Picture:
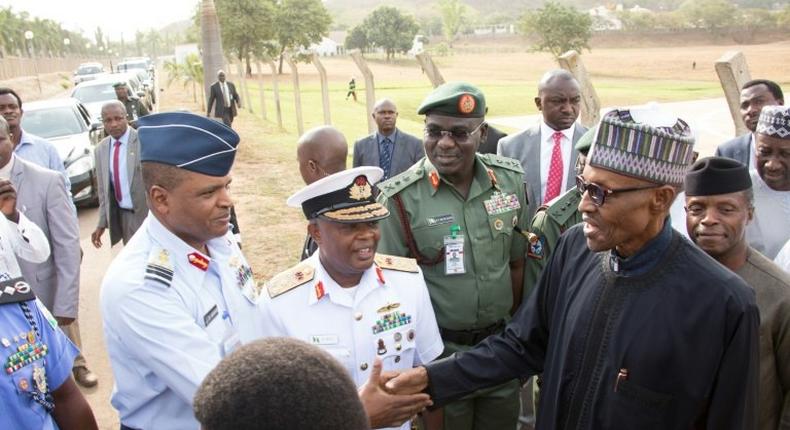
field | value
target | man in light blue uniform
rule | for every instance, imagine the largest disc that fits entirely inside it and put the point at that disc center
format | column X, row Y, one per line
column 180, row 295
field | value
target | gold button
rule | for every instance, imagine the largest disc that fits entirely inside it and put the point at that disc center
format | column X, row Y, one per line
column 358, row 316
column 363, row 366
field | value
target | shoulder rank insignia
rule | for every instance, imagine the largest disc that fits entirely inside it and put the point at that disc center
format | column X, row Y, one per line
column 290, row 279
column 401, row 264
column 159, row 268
column 15, row 290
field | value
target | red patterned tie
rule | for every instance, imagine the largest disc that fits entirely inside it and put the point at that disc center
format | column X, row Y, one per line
column 116, row 176
column 554, row 183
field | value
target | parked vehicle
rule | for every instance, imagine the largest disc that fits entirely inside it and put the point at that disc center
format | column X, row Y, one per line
column 94, row 94
column 67, row 124
column 87, row 72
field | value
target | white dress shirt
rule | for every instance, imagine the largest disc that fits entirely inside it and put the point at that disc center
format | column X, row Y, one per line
column 225, row 93
column 546, row 148
column 123, row 171
column 342, row 322
column 770, row 228
column 783, row 258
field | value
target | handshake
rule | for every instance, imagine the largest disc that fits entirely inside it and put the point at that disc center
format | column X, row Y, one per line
column 394, row 397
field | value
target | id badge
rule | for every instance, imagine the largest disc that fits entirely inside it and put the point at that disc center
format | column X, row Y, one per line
column 230, row 341
column 454, row 255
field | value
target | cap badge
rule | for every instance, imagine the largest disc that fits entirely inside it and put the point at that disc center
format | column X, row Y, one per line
column 466, row 104
column 360, row 189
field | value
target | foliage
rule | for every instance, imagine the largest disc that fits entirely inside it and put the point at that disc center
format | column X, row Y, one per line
column 453, row 12
column 748, row 21
column 298, row 24
column 559, row 28
column 711, row 15
column 247, row 28
column 48, row 36
column 387, row 28
column 430, row 25
column 357, row 38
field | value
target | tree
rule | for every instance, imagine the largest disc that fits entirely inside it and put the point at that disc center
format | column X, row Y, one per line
column 453, row 12
column 430, row 25
column 247, row 27
column 748, row 22
column 357, row 38
column 388, row 28
column 711, row 15
column 192, row 73
column 298, row 24
column 559, row 28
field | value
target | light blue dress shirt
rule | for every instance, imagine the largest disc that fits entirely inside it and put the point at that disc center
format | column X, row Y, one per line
column 126, row 195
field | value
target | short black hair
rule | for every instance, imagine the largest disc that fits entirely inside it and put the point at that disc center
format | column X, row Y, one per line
column 773, row 87
column 279, row 384
column 164, row 175
column 6, row 90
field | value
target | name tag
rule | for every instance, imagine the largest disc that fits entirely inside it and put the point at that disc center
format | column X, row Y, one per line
column 440, row 219
column 210, row 316
column 324, row 339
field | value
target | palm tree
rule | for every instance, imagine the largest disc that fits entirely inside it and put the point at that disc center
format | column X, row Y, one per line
column 193, row 73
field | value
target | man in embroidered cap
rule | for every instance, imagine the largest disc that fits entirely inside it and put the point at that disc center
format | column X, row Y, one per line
column 770, row 229
column 633, row 326
column 373, row 310
column 180, row 295
column 459, row 213
column 719, row 204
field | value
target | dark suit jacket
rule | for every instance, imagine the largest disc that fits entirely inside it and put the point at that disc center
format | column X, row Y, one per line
column 737, row 149
column 215, row 98
column 109, row 211
column 489, row 146
column 408, row 150
column 42, row 197
column 525, row 147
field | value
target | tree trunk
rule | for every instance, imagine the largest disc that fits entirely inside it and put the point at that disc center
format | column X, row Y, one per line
column 194, row 92
column 280, row 70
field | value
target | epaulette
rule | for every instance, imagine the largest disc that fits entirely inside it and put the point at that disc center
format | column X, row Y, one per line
column 160, row 267
column 15, row 290
column 564, row 206
column 500, row 161
column 397, row 183
column 392, row 262
column 290, row 279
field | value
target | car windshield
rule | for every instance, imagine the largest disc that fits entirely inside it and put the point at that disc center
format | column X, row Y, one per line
column 52, row 122
column 88, row 70
column 131, row 66
column 94, row 93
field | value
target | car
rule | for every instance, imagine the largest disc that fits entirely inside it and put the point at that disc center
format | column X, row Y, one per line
column 67, row 124
column 136, row 80
column 87, row 72
column 94, row 94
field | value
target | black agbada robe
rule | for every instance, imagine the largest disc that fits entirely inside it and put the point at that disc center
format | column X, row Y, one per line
column 666, row 339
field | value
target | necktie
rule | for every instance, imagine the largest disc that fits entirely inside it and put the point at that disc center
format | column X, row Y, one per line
column 116, row 175
column 554, row 183
column 385, row 160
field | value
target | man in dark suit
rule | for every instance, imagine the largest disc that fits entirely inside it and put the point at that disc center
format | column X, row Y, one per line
column 389, row 148
column 492, row 139
column 546, row 150
column 754, row 95
column 122, row 206
column 224, row 98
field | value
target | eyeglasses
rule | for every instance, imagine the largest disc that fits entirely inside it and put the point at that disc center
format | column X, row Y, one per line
column 458, row 135
column 598, row 194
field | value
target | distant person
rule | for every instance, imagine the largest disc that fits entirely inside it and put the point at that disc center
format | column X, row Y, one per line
column 389, row 148
column 224, row 98
column 28, row 146
column 693, row 65
column 122, row 206
column 719, row 206
column 320, row 152
column 352, row 89
column 754, row 95
column 770, row 229
column 546, row 150
column 134, row 107
column 492, row 139
column 279, row 384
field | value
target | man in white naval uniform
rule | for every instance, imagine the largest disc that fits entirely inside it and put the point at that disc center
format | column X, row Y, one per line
column 180, row 295
column 361, row 307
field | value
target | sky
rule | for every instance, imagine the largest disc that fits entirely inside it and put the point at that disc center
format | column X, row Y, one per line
column 113, row 16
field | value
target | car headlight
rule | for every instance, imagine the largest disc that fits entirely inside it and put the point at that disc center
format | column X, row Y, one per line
column 80, row 166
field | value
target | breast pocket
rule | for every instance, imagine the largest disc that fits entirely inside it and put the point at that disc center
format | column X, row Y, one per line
column 343, row 356
column 396, row 347
column 501, row 227
column 430, row 239
column 26, row 387
column 635, row 406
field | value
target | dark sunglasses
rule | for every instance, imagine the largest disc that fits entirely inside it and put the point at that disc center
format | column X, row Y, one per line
column 458, row 135
column 598, row 194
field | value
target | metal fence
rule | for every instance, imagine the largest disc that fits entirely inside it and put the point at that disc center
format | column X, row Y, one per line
column 15, row 67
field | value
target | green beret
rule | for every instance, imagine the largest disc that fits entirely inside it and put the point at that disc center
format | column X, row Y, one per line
column 119, row 84
column 584, row 142
column 458, row 99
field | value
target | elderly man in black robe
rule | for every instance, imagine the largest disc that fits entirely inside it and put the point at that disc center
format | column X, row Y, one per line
column 632, row 325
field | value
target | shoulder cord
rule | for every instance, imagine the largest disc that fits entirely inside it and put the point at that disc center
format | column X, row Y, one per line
column 409, row 236
column 42, row 398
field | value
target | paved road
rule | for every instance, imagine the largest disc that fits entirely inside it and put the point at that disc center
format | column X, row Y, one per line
column 710, row 120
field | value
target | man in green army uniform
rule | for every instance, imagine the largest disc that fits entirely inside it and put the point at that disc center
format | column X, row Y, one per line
column 134, row 108
column 459, row 214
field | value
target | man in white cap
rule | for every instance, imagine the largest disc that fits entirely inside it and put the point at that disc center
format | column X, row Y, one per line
column 369, row 311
